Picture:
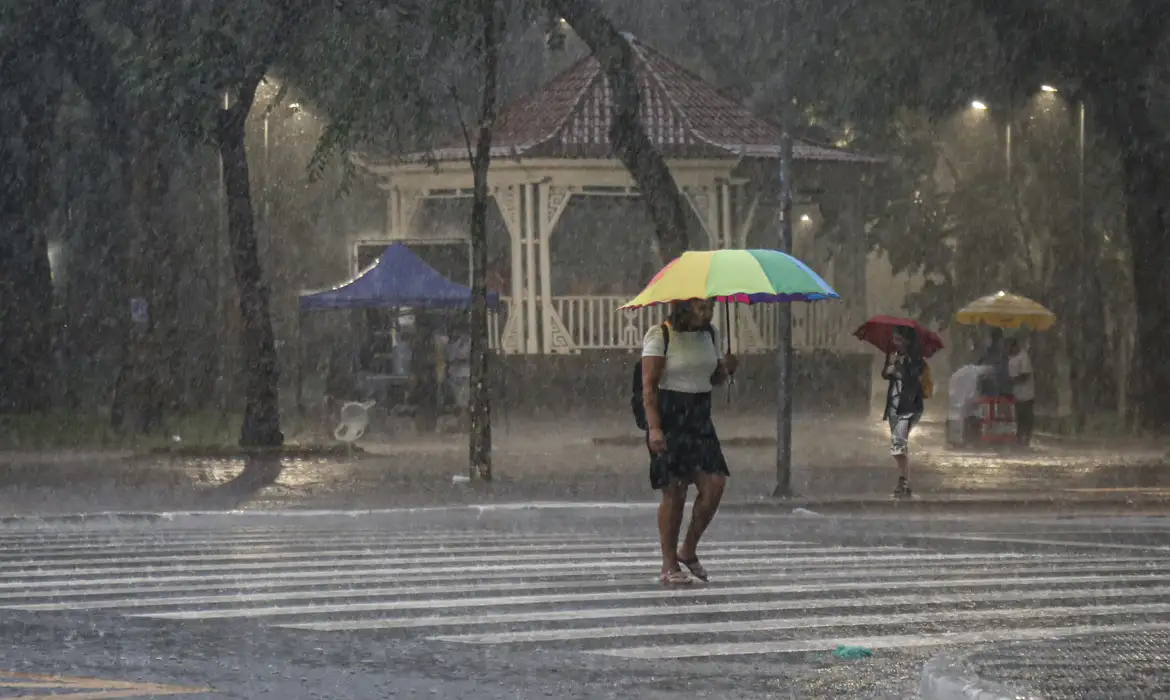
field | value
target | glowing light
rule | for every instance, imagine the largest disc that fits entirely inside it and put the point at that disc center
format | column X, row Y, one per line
column 976, row 104
column 805, row 217
column 1048, row 88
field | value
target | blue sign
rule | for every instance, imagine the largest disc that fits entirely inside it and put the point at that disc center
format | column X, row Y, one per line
column 139, row 311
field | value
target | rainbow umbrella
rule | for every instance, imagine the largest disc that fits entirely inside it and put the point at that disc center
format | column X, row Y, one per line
column 755, row 276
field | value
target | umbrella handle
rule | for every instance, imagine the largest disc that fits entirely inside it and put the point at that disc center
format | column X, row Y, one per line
column 727, row 325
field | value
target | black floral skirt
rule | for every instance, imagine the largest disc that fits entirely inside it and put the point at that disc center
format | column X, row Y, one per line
column 691, row 443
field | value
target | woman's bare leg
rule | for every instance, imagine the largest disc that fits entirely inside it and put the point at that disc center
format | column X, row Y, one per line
column 903, row 464
column 710, row 492
column 670, row 514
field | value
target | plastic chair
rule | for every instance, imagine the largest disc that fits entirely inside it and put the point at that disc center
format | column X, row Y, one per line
column 355, row 419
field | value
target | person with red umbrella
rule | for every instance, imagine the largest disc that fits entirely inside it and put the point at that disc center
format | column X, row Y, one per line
column 906, row 344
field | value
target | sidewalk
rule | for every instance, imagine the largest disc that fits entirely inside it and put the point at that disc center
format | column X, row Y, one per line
column 839, row 465
column 1126, row 666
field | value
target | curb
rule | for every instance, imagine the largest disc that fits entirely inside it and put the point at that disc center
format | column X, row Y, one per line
column 80, row 518
column 640, row 441
column 945, row 678
column 880, row 504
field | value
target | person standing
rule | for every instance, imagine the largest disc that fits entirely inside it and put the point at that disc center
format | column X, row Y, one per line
column 904, row 400
column 459, row 369
column 1024, row 388
column 681, row 363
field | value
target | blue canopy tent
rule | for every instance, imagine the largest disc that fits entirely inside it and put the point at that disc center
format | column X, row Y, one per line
column 398, row 279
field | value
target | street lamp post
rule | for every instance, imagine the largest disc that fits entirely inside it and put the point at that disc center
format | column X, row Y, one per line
column 784, row 326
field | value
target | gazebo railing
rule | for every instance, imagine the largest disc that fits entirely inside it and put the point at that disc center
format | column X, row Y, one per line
column 594, row 322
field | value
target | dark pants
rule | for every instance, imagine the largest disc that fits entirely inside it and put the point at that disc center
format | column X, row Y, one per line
column 1025, row 421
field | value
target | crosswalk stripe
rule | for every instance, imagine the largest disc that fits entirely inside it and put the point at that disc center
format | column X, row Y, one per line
column 592, row 592
column 813, row 622
column 266, row 551
column 142, row 597
column 435, row 556
column 577, row 577
column 164, row 540
column 388, row 565
column 690, row 651
column 701, row 592
column 1047, row 542
column 581, row 614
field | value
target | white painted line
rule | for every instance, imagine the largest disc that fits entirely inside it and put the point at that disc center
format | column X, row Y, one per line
column 466, row 568
column 13, row 557
column 691, row 651
column 435, row 555
column 562, row 568
column 584, row 577
column 162, row 539
column 1062, row 543
column 144, row 598
column 886, row 619
column 689, row 592
column 707, row 609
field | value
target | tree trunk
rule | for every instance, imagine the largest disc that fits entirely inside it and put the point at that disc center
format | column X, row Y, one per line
column 628, row 134
column 1126, row 116
column 1147, row 185
column 480, row 429
column 144, row 384
column 261, row 424
column 26, row 288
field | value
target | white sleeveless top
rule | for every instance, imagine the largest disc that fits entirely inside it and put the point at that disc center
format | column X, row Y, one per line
column 691, row 359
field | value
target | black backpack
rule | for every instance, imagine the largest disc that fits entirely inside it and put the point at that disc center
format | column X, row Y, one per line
column 636, row 400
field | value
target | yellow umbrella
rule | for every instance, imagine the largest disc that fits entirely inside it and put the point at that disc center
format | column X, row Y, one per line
column 1004, row 310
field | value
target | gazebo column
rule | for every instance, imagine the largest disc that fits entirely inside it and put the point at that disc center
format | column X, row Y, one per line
column 749, row 338
column 553, row 202
column 508, row 199
column 402, row 205
column 528, row 240
column 531, row 211
column 715, row 207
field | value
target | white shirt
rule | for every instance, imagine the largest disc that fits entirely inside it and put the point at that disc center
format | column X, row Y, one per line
column 964, row 389
column 1022, row 364
column 691, row 359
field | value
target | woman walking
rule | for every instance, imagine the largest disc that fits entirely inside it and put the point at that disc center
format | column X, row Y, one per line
column 904, row 400
column 681, row 363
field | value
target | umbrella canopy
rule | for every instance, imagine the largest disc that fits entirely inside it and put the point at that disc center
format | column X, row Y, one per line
column 879, row 332
column 739, row 276
column 1004, row 310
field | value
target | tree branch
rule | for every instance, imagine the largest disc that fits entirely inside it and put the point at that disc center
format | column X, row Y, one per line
column 628, row 134
column 463, row 122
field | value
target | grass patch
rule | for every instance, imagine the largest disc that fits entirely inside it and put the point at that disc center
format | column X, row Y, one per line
column 205, row 434
column 92, row 430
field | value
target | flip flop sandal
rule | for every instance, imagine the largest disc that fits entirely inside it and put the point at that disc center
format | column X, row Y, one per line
column 695, row 568
column 675, row 578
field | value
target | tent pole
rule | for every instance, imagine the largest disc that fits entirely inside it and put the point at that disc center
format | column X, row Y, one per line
column 300, row 369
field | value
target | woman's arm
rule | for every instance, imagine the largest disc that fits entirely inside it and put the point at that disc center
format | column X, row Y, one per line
column 653, row 365
column 721, row 374
column 727, row 362
column 890, row 368
column 651, row 374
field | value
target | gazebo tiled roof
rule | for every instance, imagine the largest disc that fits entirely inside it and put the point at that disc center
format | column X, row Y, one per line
column 686, row 118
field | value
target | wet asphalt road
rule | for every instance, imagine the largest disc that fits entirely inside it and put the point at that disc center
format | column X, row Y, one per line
column 554, row 602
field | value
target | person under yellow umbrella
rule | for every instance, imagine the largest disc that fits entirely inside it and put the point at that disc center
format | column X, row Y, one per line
column 1003, row 311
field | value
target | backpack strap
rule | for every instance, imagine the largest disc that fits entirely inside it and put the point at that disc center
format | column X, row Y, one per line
column 665, row 339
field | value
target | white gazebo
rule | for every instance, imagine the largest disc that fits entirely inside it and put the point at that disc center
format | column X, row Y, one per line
column 553, row 145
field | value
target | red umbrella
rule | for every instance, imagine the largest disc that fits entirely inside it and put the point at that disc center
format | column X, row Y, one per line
column 879, row 331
